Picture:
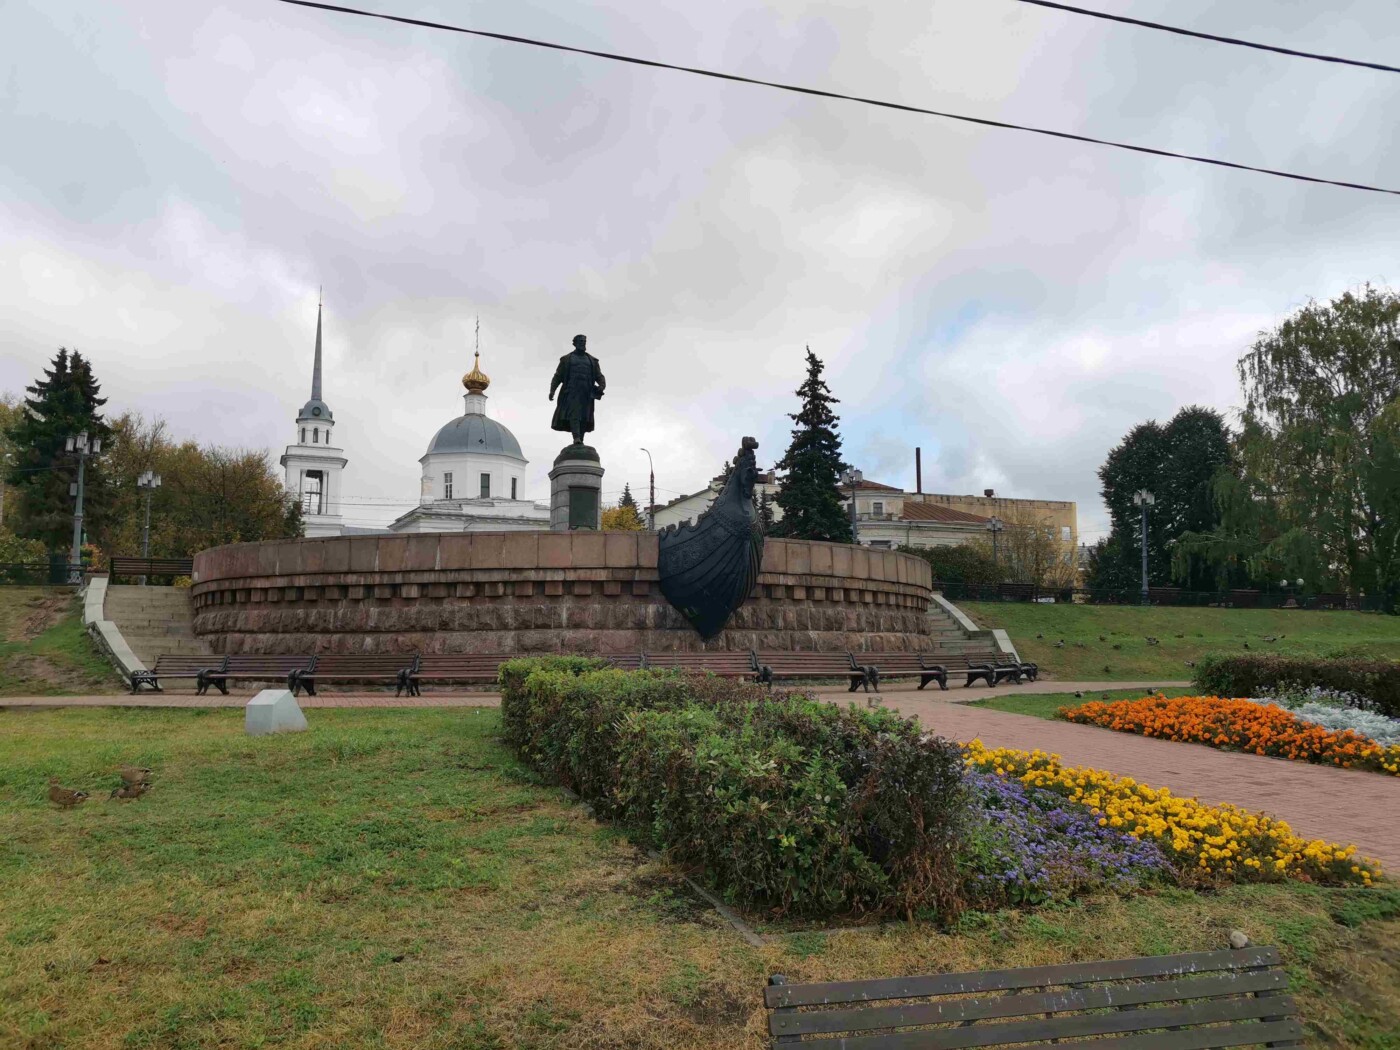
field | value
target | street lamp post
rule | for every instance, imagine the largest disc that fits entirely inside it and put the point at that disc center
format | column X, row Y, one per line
column 148, row 482
column 79, row 445
column 651, row 499
column 1144, row 499
column 994, row 526
column 853, row 478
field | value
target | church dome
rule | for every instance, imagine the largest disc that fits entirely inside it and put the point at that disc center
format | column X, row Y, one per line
column 475, row 432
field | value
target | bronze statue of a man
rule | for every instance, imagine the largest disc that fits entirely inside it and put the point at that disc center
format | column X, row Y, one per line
column 582, row 382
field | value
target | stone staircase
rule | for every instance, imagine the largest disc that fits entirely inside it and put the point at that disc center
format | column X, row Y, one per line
column 950, row 636
column 154, row 621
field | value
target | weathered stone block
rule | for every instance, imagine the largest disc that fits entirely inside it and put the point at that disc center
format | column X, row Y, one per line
column 520, row 550
column 273, row 711
column 555, row 551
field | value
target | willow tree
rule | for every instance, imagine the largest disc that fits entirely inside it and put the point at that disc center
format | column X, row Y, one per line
column 1316, row 494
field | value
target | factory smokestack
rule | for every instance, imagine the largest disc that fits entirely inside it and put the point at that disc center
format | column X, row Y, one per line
column 919, row 470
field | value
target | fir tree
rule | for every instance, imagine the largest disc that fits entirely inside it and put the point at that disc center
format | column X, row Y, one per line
column 810, row 499
column 64, row 402
column 765, row 513
column 627, row 500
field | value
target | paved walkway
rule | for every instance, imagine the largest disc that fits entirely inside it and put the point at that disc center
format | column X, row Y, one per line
column 1339, row 805
column 240, row 699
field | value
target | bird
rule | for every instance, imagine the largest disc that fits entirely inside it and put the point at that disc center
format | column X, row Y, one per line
column 135, row 775
column 1107, row 669
column 1190, row 663
column 1039, row 635
column 1103, row 637
column 1270, row 638
column 1060, row 644
column 1153, row 641
column 129, row 791
column 1239, row 939
column 1181, row 636
column 66, row 798
column 1117, row 645
column 1246, row 645
column 1080, row 645
column 1078, row 695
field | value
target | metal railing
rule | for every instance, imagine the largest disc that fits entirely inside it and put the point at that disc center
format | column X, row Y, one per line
column 1236, row 599
column 40, row 574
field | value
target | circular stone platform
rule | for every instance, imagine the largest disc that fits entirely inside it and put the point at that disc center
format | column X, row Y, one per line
column 502, row 592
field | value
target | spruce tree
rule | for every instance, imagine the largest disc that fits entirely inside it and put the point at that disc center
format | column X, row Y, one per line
column 627, row 500
column 765, row 513
column 65, row 401
column 810, row 499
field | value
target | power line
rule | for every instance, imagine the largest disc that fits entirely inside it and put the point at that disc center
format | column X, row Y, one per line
column 820, row 93
column 1179, row 31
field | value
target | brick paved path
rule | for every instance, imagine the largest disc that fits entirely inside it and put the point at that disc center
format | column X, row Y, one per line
column 239, row 700
column 1340, row 805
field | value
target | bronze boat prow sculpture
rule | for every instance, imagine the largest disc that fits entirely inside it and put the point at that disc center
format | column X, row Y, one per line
column 708, row 569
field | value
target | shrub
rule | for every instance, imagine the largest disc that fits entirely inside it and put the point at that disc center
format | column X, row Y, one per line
column 1263, row 674
column 784, row 801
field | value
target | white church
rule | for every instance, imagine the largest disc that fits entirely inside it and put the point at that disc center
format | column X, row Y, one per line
column 473, row 473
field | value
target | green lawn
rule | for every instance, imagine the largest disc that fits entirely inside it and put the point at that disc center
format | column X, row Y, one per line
column 395, row 879
column 44, row 650
column 1184, row 635
column 1044, row 705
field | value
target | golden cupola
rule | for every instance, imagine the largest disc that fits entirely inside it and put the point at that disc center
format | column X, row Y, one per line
column 476, row 381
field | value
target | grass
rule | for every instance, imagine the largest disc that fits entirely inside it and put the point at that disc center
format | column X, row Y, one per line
column 1045, row 705
column 1184, row 635
column 395, row 879
column 44, row 650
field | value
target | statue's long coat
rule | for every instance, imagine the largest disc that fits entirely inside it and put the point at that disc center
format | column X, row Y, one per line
column 578, row 377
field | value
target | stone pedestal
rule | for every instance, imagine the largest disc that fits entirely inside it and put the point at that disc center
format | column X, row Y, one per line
column 576, row 490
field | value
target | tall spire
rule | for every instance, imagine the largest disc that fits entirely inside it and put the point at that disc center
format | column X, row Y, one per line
column 316, row 368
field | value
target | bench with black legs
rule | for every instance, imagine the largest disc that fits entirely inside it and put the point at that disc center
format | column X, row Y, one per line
column 465, row 668
column 778, row 666
column 175, row 666
column 989, row 667
column 1195, row 1001
column 260, row 667
column 734, row 664
column 372, row 668
column 900, row 665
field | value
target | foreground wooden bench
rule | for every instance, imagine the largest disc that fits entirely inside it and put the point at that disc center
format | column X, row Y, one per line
column 374, row 668
column 774, row 666
column 738, row 664
column 1196, row 1001
column 260, row 667
column 993, row 667
column 170, row 666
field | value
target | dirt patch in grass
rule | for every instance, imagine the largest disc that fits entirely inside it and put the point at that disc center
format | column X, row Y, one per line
column 41, row 612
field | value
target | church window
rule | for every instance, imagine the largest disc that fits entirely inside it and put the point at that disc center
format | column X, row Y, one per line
column 315, row 435
column 447, row 485
column 486, row 486
column 303, row 435
column 312, row 501
column 513, row 483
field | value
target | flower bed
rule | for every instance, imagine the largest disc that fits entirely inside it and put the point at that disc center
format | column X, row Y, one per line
column 1238, row 725
column 1208, row 843
column 1377, row 682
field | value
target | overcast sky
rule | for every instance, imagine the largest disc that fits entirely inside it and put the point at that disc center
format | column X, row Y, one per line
column 176, row 179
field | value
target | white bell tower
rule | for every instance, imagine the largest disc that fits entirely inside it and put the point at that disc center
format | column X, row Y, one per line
column 312, row 462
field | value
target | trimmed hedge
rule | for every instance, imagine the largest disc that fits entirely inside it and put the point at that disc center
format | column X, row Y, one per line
column 783, row 801
column 1257, row 674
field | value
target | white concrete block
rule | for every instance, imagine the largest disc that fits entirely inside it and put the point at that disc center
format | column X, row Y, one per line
column 273, row 711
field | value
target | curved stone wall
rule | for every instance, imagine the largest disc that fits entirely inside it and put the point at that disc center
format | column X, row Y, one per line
column 539, row 592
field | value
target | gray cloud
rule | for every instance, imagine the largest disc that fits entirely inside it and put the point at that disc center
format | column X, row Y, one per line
column 177, row 181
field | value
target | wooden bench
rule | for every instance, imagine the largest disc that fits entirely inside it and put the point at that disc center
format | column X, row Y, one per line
column 376, row 668
column 260, row 667
column 993, row 667
column 149, row 567
column 773, row 666
column 900, row 665
column 169, row 666
column 737, row 664
column 1197, row 1001
column 472, row 668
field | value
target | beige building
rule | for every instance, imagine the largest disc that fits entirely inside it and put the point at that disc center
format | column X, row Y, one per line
column 889, row 517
